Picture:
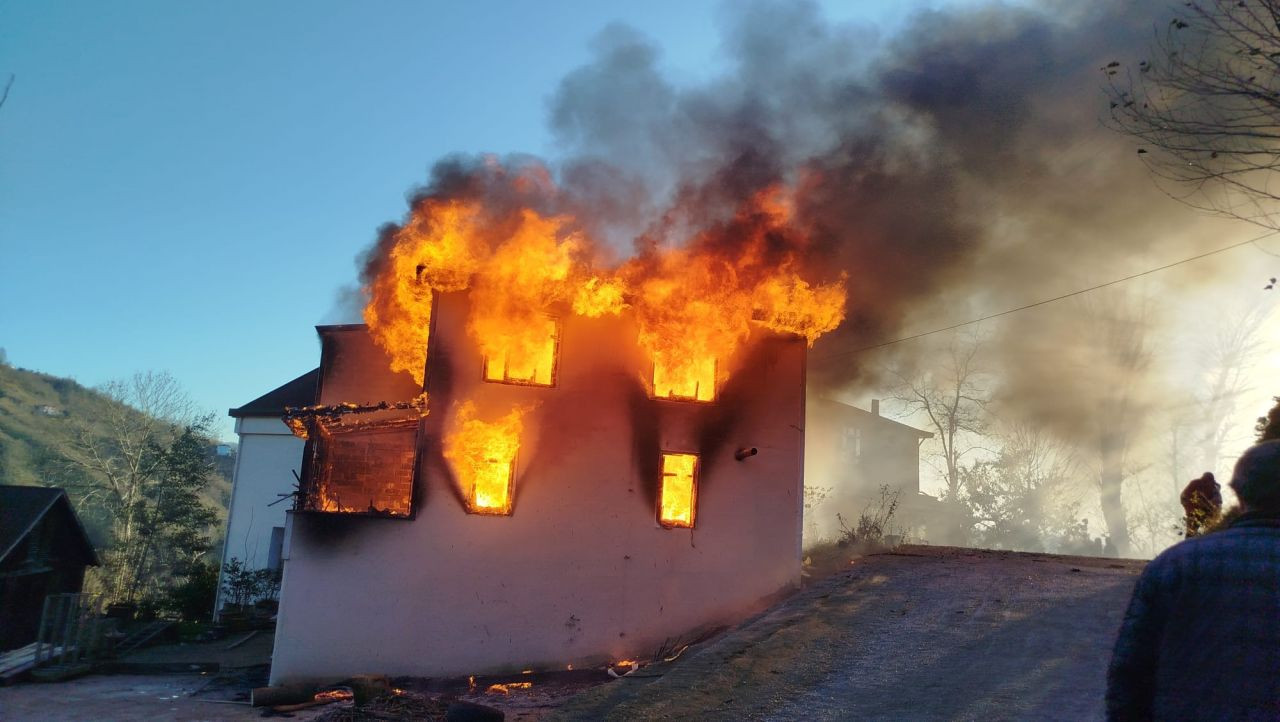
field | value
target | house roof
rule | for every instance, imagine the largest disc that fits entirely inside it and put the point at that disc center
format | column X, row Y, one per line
column 298, row 392
column 22, row 508
column 877, row 418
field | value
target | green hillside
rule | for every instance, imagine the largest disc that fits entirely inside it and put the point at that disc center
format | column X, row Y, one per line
column 40, row 413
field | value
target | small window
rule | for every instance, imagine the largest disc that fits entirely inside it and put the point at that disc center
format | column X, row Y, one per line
column 690, row 380
column 679, row 492
column 362, row 470
column 275, row 553
column 483, row 456
column 527, row 362
column 491, row 486
column 851, row 442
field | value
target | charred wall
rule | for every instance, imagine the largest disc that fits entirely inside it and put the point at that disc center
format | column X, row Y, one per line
column 580, row 570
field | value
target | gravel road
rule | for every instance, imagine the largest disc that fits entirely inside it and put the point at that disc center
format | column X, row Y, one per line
column 921, row 633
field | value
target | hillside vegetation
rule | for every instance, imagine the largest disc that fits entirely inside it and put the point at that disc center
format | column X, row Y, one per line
column 41, row 414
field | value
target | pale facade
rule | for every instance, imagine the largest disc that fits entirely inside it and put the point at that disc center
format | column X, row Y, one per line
column 580, row 570
column 268, row 458
column 852, row 453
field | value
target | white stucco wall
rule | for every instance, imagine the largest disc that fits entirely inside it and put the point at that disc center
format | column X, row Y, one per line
column 268, row 456
column 581, row 572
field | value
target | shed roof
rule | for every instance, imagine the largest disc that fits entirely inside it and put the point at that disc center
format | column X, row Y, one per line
column 298, row 392
column 22, row 508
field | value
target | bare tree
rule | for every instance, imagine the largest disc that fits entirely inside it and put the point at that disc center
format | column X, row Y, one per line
column 951, row 397
column 139, row 473
column 1226, row 362
column 1155, row 521
column 1027, row 496
column 1081, row 370
column 1205, row 106
column 1121, row 356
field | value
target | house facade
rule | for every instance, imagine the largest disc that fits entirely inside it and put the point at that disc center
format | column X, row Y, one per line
column 268, row 460
column 852, row 453
column 610, row 522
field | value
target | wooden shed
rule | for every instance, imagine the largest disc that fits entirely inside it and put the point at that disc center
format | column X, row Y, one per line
column 43, row 550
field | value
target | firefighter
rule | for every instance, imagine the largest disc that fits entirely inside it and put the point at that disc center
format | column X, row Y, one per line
column 1202, row 502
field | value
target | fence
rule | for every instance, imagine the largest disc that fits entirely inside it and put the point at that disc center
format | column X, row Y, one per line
column 72, row 628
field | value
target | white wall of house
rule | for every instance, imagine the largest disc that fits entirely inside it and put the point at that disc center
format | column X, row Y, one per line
column 580, row 572
column 268, row 457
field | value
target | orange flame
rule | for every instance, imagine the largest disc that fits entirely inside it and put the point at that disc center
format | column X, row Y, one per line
column 692, row 315
column 521, row 277
column 694, row 303
column 439, row 249
column 695, row 306
column 483, row 456
column 677, row 499
column 334, row 695
column 507, row 687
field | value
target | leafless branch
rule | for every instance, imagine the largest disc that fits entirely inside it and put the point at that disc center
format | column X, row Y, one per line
column 1206, row 107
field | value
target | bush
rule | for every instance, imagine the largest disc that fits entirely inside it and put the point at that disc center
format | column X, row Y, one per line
column 873, row 526
column 192, row 600
column 243, row 586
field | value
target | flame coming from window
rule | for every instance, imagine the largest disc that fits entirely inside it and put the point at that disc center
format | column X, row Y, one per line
column 695, row 305
column 679, row 489
column 483, row 457
column 695, row 294
column 438, row 249
column 525, row 273
column 532, row 364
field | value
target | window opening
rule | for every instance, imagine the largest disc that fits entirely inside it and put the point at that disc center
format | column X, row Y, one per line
column 678, row 494
column 688, row 380
column 851, row 442
column 491, row 486
column 530, row 360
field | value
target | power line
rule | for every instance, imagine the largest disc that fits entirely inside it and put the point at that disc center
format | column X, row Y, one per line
column 970, row 322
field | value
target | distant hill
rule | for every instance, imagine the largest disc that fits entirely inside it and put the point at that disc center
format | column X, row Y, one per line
column 35, row 414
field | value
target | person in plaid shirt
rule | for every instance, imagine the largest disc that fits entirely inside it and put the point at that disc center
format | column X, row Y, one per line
column 1201, row 637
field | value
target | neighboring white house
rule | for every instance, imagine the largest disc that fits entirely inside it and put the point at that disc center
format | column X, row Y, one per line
column 268, row 459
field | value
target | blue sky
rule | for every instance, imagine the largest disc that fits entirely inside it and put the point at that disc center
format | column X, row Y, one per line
column 185, row 186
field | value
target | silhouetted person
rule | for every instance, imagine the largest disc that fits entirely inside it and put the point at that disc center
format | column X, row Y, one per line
column 1202, row 502
column 1201, row 637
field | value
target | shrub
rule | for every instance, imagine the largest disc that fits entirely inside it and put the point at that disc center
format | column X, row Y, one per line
column 873, row 526
column 192, row 600
column 243, row 586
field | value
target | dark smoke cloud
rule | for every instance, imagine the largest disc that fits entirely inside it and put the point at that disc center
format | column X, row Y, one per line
column 957, row 167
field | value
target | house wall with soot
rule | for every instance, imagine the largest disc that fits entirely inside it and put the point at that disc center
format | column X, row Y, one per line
column 580, row 572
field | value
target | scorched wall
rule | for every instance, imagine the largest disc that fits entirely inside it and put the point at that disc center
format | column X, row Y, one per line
column 580, row 572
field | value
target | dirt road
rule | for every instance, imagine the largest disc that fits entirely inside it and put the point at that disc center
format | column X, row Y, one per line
column 922, row 633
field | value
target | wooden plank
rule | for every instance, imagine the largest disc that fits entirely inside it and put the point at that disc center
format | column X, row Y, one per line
column 17, row 657
column 40, row 631
column 242, row 640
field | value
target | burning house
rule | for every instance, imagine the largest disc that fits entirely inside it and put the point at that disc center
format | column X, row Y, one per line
column 522, row 524
column 523, row 460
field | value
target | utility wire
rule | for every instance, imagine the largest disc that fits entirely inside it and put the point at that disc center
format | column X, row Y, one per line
column 970, row 322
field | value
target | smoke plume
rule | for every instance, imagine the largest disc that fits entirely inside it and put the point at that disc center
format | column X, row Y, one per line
column 955, row 168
